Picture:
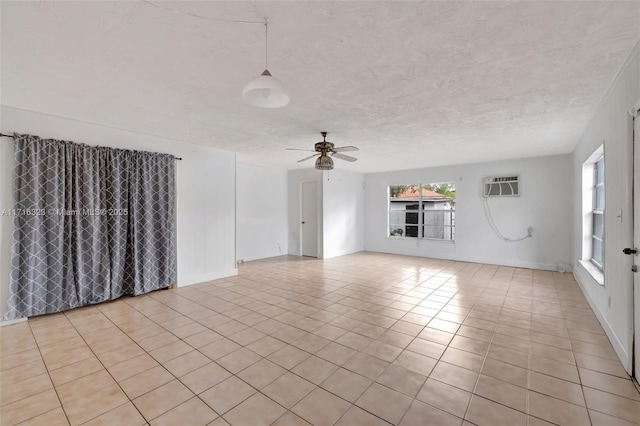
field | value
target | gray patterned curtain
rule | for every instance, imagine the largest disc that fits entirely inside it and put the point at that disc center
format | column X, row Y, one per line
column 90, row 224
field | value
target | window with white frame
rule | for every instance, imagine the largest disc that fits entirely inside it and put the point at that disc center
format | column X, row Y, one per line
column 597, row 227
column 425, row 210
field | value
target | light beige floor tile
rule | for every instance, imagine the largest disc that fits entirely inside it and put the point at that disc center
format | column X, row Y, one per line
column 463, row 359
column 288, row 389
column 402, row 380
column 506, row 372
column 601, row 365
column 384, row 403
column 22, row 372
column 437, row 336
column 366, row 365
column 468, row 344
column 556, row 411
column 485, row 412
column 238, row 360
column 455, row 376
column 146, row 381
column 557, row 388
column 51, row 418
column 126, row 414
column 290, row 419
column 162, row 399
column 131, row 367
column 185, row 364
column 205, row 377
column 171, row 351
column 427, row 348
column 12, row 392
column 421, row 364
column 266, row 346
column 346, row 384
column 445, row 397
column 315, row 369
column 357, row 416
column 227, row 394
column 202, row 339
column 607, row 383
column 30, row 407
column 320, row 408
column 502, row 392
column 192, row 412
column 257, row 410
column 288, row 357
column 554, row 368
column 261, row 373
column 419, row 412
column 601, row 419
column 90, row 405
column 617, row 406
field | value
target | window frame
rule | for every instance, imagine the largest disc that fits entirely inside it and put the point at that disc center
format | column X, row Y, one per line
column 599, row 211
column 421, row 212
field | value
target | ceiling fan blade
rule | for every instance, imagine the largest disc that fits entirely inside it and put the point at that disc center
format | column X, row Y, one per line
column 345, row 149
column 307, row 158
column 344, row 157
column 298, row 149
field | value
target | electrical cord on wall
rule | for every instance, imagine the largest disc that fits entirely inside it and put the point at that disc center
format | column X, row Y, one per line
column 494, row 228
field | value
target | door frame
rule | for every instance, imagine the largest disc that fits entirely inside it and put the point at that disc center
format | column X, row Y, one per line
column 318, row 217
column 635, row 319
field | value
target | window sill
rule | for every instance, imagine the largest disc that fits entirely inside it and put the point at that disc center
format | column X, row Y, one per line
column 593, row 271
column 435, row 240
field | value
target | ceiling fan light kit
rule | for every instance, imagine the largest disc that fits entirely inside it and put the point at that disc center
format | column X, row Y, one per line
column 324, row 162
column 265, row 91
column 323, row 149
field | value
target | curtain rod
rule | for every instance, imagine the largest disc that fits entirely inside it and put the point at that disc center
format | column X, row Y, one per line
column 10, row 136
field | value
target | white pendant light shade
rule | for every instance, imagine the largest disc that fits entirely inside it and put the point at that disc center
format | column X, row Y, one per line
column 265, row 92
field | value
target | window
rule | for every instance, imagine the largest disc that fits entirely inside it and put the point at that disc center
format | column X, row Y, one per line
column 422, row 211
column 593, row 206
column 597, row 228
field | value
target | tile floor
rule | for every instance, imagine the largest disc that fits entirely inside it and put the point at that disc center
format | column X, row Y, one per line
column 364, row 339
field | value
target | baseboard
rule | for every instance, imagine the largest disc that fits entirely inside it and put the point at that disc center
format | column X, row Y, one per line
column 12, row 322
column 583, row 278
column 201, row 278
column 499, row 262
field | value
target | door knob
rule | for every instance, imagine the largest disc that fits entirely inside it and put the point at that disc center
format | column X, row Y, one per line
column 629, row 251
column 302, row 222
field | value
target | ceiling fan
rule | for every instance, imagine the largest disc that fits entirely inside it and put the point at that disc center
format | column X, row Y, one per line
column 323, row 149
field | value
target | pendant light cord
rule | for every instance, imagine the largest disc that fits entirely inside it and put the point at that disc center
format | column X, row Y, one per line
column 266, row 43
column 208, row 18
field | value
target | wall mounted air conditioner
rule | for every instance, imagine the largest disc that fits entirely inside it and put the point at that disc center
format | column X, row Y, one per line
column 501, row 186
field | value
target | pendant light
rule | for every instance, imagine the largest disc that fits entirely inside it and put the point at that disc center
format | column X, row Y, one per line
column 265, row 91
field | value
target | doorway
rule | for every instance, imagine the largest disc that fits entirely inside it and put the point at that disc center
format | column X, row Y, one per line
column 309, row 218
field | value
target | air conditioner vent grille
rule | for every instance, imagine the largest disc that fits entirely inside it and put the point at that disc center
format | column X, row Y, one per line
column 501, row 186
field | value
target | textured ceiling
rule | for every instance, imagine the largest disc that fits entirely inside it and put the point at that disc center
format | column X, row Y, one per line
column 411, row 84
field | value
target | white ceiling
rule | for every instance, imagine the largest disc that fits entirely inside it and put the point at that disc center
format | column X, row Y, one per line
column 411, row 84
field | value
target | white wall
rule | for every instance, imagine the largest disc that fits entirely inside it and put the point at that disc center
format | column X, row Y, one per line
column 295, row 178
column 545, row 204
column 343, row 213
column 205, row 192
column 262, row 212
column 611, row 125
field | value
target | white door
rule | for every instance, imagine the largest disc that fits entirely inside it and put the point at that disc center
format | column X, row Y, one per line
column 636, row 240
column 309, row 218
